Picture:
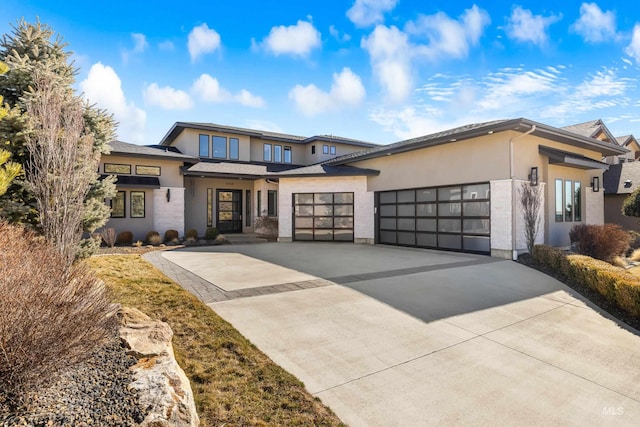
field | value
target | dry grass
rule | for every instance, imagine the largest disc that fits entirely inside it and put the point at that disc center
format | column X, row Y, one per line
column 234, row 383
column 635, row 255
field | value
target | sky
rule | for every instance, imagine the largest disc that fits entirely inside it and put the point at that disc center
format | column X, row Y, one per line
column 374, row 70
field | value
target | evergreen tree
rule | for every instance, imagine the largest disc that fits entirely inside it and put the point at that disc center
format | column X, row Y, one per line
column 8, row 170
column 27, row 48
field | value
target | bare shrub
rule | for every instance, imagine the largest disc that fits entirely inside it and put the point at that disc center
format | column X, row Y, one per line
column 268, row 226
column 153, row 236
column 192, row 233
column 531, row 202
column 603, row 242
column 635, row 255
column 51, row 317
column 109, row 236
column 124, row 238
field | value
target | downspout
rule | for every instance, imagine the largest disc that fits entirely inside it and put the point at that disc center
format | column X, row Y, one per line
column 514, row 250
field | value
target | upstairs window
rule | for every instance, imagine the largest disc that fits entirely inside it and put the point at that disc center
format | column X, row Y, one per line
column 204, row 145
column 267, row 152
column 234, row 148
column 287, row 154
column 313, row 149
column 325, row 149
column 219, row 147
column 333, row 150
column 277, row 153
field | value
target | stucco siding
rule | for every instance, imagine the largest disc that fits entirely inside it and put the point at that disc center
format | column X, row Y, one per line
column 169, row 169
column 364, row 223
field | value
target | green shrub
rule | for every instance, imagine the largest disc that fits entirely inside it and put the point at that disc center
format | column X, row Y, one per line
column 51, row 316
column 615, row 284
column 153, row 238
column 603, row 242
column 124, row 238
column 211, row 234
column 192, row 233
column 171, row 236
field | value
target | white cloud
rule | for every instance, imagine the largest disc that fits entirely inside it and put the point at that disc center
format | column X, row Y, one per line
column 167, row 97
column 335, row 33
column 633, row 49
column 524, row 26
column 346, row 91
column 202, row 40
column 208, row 89
column 104, row 88
column 263, row 125
column 167, row 45
column 411, row 122
column 511, row 86
column 139, row 45
column 449, row 37
column 594, row 25
column 390, row 55
column 364, row 13
column 296, row 40
column 603, row 83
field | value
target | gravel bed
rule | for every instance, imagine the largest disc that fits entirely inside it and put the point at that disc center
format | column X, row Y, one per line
column 93, row 393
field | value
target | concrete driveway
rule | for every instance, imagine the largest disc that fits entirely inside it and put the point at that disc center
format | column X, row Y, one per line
column 392, row 336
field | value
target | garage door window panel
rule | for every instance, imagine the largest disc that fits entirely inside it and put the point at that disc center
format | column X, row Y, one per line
column 324, row 216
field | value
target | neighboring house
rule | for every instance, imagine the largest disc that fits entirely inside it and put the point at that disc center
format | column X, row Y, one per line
column 619, row 182
column 455, row 190
column 630, row 143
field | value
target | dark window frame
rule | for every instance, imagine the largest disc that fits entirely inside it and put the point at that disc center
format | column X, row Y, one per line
column 219, row 139
column 313, row 215
column 287, row 155
column 149, row 174
column 277, row 153
column 325, row 149
column 236, row 142
column 332, row 150
column 200, row 145
column 113, row 171
column 268, row 151
column 131, row 203
column 272, row 203
column 124, row 204
column 210, row 207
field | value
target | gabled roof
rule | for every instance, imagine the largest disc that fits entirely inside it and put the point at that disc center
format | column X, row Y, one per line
column 625, row 140
column 178, row 127
column 481, row 129
column 119, row 147
column 327, row 170
column 591, row 129
column 622, row 178
column 255, row 171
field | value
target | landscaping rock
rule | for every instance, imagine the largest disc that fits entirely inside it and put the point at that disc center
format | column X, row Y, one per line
column 161, row 384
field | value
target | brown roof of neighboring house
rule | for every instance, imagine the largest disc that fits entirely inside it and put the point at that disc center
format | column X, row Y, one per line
column 591, row 129
column 622, row 178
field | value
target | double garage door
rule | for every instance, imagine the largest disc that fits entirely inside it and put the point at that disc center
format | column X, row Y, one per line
column 453, row 217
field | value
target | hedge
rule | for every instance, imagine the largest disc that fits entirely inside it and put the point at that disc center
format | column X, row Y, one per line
column 618, row 286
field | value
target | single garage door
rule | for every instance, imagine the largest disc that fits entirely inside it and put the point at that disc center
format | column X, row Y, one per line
column 323, row 216
column 453, row 217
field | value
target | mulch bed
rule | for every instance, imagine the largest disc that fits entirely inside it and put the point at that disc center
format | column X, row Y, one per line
column 594, row 296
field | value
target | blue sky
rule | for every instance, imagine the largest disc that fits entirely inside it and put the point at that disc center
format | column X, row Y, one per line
column 377, row 70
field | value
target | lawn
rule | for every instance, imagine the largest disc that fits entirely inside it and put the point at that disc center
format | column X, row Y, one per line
column 233, row 382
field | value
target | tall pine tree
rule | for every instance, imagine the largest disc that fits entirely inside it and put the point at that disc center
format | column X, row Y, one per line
column 28, row 47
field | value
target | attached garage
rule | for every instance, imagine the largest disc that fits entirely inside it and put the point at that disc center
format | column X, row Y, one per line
column 323, row 216
column 452, row 218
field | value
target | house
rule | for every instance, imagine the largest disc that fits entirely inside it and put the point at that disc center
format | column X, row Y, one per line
column 454, row 190
column 619, row 182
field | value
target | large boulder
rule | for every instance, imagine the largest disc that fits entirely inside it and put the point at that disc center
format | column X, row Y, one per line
column 163, row 388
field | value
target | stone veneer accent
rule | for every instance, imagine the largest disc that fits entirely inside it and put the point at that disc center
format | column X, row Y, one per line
column 168, row 215
column 364, row 219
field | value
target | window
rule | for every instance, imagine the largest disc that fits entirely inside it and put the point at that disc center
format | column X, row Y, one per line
column 117, row 169
column 577, row 201
column 277, row 153
column 272, row 203
column 259, row 204
column 287, row 154
column 209, row 207
column 568, row 201
column 267, row 152
column 137, row 204
column 204, row 145
column 333, row 150
column 559, row 206
column 234, row 148
column 118, row 205
column 219, row 147
column 148, row 170
column 248, row 208
column 313, row 149
column 325, row 149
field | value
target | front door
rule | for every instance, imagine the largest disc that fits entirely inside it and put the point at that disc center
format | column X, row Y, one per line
column 229, row 209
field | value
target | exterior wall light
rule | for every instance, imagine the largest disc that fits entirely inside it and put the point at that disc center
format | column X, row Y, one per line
column 168, row 195
column 595, row 184
column 533, row 176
